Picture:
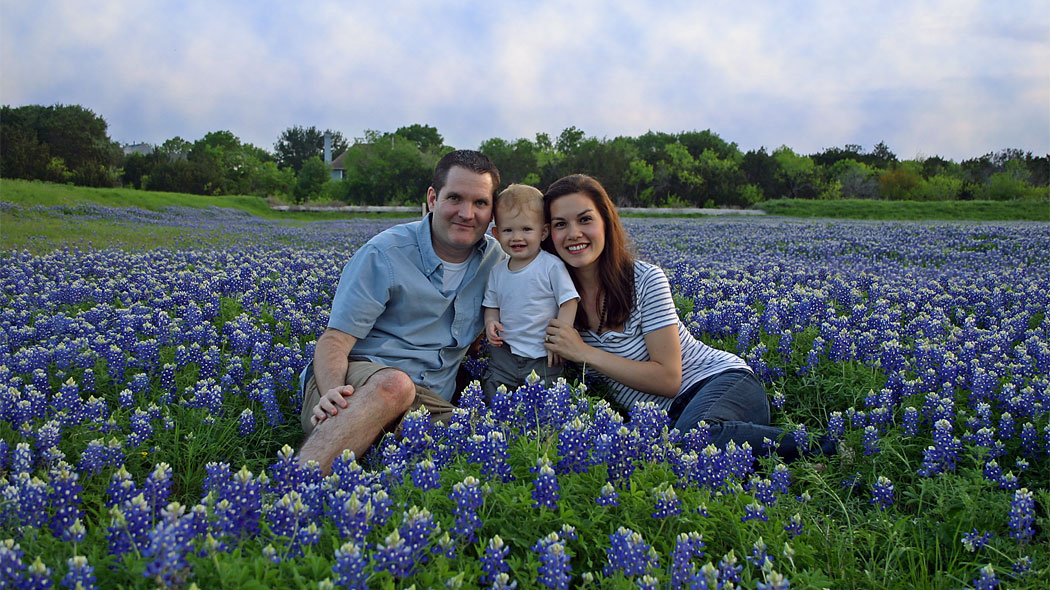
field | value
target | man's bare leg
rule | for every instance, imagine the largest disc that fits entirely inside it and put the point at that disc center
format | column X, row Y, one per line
column 382, row 400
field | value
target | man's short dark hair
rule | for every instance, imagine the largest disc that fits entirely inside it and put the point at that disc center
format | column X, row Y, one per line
column 474, row 161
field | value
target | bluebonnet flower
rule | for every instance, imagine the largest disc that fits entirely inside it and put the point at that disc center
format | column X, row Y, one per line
column 728, row 569
column 774, row 581
column 871, row 440
column 493, row 560
column 763, row 489
column 759, row 554
column 754, row 510
column 31, row 493
column 911, row 421
column 1029, row 439
column 688, row 546
column 239, row 505
column 651, row 422
column 794, row 525
column 836, row 425
column 168, row 545
column 157, row 486
column 801, row 436
column 22, row 458
column 554, row 570
column 141, row 428
column 129, row 526
column 121, row 487
column 545, row 493
column 941, row 455
column 287, row 515
column 608, row 496
column 1022, row 566
column 80, row 575
column 11, row 567
column 425, row 475
column 64, row 499
column 246, row 422
column 987, row 580
column 1022, row 515
column 405, row 548
column 781, row 478
column 285, row 473
column 37, row 576
column 882, row 494
column 975, row 540
column 353, row 513
column 573, row 446
column 467, row 496
column 350, row 566
column 667, row 502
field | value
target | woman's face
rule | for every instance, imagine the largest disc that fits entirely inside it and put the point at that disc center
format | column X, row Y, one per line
column 577, row 230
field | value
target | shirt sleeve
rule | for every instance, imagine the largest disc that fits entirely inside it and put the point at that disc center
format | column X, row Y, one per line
column 654, row 300
column 561, row 282
column 363, row 292
column 491, row 292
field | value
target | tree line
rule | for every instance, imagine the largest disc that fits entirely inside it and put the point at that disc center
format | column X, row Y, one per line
column 69, row 144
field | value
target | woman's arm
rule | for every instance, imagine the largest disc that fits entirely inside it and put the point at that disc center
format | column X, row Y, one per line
column 660, row 375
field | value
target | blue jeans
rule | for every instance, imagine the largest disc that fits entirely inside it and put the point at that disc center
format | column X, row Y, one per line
column 735, row 407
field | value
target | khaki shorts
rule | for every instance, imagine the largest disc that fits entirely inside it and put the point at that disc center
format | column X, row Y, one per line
column 357, row 374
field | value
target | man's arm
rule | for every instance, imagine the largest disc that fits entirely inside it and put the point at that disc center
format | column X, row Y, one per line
column 330, row 364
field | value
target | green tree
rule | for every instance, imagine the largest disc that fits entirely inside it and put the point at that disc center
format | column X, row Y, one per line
column 639, row 174
column 426, row 138
column 73, row 134
column 798, row 174
column 898, row 183
column 312, row 177
column 387, row 169
column 298, row 144
column 515, row 161
column 856, row 179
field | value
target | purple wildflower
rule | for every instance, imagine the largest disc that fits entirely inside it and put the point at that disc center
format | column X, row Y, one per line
column 545, row 493
column 882, row 494
column 1022, row 515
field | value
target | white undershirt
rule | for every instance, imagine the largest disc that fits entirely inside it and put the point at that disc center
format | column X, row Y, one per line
column 453, row 274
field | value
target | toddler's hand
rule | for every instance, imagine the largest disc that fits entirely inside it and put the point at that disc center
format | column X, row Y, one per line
column 493, row 332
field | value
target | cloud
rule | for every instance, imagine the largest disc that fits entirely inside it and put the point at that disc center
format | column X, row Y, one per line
column 954, row 78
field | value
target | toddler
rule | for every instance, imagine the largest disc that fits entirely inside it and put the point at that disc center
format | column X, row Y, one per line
column 524, row 292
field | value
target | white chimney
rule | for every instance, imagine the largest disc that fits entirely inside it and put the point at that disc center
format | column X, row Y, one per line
column 327, row 147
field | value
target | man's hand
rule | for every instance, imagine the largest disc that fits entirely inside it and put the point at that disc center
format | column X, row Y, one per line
column 494, row 331
column 330, row 403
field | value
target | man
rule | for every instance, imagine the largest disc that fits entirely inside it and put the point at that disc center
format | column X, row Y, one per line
column 407, row 307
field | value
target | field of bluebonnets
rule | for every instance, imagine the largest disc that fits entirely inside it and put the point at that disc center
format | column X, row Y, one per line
column 148, row 419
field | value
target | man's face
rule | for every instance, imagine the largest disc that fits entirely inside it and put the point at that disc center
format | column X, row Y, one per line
column 462, row 212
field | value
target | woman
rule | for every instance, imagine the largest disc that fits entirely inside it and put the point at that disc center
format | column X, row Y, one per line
column 627, row 328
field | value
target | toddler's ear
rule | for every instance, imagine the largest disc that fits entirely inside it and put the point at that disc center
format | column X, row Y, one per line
column 495, row 233
column 546, row 231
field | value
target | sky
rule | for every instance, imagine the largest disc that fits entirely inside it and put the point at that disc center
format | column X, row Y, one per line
column 952, row 78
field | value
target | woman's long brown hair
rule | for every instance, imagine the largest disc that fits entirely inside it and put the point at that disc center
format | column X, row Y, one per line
column 615, row 263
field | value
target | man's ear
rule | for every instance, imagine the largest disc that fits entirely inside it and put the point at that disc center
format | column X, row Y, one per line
column 431, row 198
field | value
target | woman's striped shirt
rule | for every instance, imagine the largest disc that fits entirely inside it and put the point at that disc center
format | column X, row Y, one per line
column 654, row 309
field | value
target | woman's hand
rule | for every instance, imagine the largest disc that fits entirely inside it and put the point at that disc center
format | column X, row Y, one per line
column 330, row 403
column 564, row 341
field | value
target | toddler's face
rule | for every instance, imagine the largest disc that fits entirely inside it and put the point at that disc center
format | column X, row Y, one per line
column 520, row 232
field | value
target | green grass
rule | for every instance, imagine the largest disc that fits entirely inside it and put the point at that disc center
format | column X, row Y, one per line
column 28, row 193
column 911, row 210
column 43, row 231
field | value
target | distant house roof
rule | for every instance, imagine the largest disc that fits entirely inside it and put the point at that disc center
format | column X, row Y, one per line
column 338, row 167
column 138, row 148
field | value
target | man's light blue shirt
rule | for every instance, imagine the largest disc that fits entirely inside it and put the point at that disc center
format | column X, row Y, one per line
column 390, row 298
